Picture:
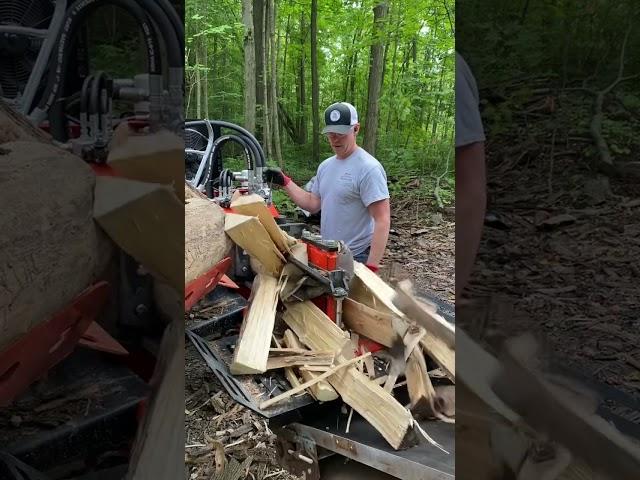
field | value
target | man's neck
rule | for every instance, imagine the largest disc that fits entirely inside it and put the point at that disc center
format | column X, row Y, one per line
column 349, row 153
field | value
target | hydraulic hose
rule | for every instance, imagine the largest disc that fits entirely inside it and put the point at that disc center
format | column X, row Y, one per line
column 176, row 21
column 73, row 18
column 260, row 160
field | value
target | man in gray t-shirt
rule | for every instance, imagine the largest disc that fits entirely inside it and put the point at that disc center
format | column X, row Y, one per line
column 470, row 173
column 350, row 188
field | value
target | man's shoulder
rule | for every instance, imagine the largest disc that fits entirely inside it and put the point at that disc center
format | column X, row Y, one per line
column 368, row 163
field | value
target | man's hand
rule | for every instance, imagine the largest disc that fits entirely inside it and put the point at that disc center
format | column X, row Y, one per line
column 373, row 268
column 275, row 175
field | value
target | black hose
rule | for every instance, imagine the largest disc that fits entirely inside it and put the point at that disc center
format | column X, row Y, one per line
column 84, row 94
column 260, row 157
column 175, row 52
column 74, row 16
column 96, row 87
column 176, row 21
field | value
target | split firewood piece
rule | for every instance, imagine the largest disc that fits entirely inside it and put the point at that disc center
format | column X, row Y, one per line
column 369, row 399
column 250, row 234
column 369, row 289
column 254, row 205
column 423, row 315
column 321, row 391
column 421, row 391
column 367, row 321
column 146, row 220
column 164, row 414
column 252, row 348
column 299, row 359
column 156, row 158
column 293, row 391
column 205, row 242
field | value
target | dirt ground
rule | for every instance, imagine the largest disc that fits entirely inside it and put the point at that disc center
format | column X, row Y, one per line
column 559, row 258
column 420, row 247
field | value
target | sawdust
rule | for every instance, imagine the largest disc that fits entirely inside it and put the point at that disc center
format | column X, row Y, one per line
column 211, row 416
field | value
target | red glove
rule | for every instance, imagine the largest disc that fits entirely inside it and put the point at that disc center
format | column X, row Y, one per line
column 373, row 268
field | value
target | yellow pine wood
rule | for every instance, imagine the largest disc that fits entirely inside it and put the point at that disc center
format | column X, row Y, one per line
column 322, row 391
column 252, row 348
column 254, row 205
column 369, row 399
column 250, row 234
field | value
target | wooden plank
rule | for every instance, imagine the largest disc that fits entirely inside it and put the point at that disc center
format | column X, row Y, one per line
column 309, row 358
column 254, row 205
column 313, row 381
column 367, row 398
column 321, row 391
column 252, row 348
column 205, row 242
column 146, row 220
column 423, row 315
column 250, row 234
column 421, row 391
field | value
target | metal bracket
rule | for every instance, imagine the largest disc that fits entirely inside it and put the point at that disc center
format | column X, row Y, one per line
column 202, row 285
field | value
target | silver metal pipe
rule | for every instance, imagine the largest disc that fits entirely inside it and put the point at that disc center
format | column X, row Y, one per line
column 50, row 39
column 26, row 31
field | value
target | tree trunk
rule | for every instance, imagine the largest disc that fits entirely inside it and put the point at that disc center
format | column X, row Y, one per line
column 375, row 79
column 258, row 26
column 249, row 68
column 315, row 87
column 275, row 127
column 205, row 83
column 302, row 93
column 198, row 85
column 266, row 131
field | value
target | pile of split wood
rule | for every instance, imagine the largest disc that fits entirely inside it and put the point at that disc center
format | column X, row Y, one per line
column 320, row 357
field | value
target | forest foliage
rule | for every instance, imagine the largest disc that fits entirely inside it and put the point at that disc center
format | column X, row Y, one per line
column 415, row 120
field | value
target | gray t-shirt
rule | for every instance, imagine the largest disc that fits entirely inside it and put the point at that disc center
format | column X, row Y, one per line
column 346, row 188
column 468, row 122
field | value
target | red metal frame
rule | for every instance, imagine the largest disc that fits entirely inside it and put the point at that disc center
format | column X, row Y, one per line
column 97, row 338
column 30, row 357
column 327, row 260
column 202, row 285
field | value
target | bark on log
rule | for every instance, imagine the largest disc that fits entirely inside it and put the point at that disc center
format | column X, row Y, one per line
column 205, row 242
column 50, row 248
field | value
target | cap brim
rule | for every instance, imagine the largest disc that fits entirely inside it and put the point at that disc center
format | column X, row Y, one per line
column 340, row 129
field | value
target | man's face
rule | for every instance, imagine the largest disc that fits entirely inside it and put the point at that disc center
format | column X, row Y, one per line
column 343, row 145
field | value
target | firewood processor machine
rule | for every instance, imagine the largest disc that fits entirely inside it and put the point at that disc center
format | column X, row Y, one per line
column 307, row 431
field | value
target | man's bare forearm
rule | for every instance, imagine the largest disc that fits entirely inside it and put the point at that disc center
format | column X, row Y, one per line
column 305, row 200
column 379, row 241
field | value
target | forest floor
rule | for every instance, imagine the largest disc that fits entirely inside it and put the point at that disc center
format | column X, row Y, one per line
column 421, row 247
column 559, row 255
